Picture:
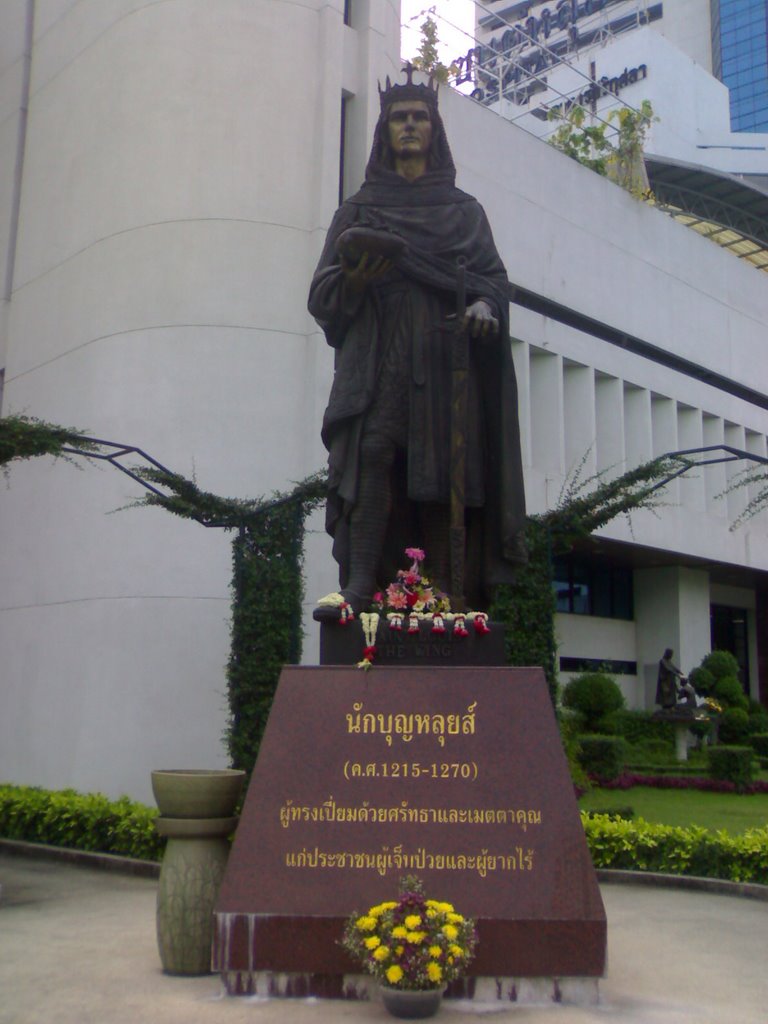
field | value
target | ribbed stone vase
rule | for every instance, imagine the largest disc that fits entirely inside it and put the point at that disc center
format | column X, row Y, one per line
column 196, row 814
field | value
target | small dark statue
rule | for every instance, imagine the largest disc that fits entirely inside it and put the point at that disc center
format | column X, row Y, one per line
column 410, row 267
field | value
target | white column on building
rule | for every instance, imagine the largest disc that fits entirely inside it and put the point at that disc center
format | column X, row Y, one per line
column 671, row 610
column 665, row 439
column 547, row 446
column 737, row 497
column 715, row 480
column 690, row 435
column 638, row 439
column 609, row 394
column 579, row 419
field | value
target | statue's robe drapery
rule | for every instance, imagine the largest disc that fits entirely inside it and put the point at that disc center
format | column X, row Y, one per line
column 407, row 308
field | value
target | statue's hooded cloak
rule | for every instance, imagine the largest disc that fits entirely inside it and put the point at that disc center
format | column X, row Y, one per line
column 439, row 223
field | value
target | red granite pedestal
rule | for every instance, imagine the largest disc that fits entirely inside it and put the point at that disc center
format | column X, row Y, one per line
column 454, row 774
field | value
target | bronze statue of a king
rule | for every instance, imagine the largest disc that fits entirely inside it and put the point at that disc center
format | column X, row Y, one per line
column 385, row 295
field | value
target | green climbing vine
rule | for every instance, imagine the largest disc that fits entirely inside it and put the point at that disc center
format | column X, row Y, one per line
column 23, row 437
column 527, row 607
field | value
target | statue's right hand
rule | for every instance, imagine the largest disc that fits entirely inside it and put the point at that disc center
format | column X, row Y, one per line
column 359, row 275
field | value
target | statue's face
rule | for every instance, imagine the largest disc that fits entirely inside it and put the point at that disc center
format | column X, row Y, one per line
column 410, row 128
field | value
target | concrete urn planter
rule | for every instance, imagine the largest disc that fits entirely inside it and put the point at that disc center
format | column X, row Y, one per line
column 197, row 816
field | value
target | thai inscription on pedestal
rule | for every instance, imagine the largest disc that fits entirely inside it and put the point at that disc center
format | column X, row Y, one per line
column 453, row 774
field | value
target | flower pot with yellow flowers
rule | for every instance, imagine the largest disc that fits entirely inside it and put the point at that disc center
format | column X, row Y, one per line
column 414, row 947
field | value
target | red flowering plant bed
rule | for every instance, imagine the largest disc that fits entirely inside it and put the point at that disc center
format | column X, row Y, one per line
column 629, row 779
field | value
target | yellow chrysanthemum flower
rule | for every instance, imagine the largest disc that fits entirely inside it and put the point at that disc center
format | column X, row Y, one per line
column 399, row 950
column 435, row 951
column 455, row 918
column 389, row 905
column 431, row 914
column 376, row 911
column 434, row 971
column 399, row 932
column 445, row 908
column 416, row 937
column 394, row 974
column 450, row 931
column 381, row 953
column 431, row 903
column 456, row 951
column 412, row 922
column 366, row 923
column 372, row 942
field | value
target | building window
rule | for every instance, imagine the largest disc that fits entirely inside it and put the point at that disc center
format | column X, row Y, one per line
column 740, row 60
column 586, row 587
column 611, row 667
column 729, row 633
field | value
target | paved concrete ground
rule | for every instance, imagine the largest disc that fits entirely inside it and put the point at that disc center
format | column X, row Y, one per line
column 77, row 946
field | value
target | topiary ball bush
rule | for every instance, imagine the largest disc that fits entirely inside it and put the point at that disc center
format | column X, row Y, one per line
column 702, row 680
column 734, row 726
column 594, row 695
column 720, row 664
column 730, row 693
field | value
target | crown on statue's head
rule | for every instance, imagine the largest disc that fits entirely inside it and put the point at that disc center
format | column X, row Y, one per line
column 409, row 91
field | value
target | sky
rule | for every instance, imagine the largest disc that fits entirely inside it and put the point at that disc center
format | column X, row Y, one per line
column 455, row 26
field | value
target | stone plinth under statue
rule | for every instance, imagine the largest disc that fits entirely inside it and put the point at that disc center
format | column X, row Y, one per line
column 456, row 775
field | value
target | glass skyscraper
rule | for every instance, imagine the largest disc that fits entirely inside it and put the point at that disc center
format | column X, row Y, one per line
column 740, row 59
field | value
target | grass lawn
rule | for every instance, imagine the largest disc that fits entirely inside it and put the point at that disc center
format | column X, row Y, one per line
column 684, row 807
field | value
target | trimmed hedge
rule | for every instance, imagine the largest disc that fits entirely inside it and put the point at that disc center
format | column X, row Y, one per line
column 759, row 743
column 92, row 822
column 640, row 846
column 731, row 764
column 601, row 757
column 640, row 727
column 80, row 821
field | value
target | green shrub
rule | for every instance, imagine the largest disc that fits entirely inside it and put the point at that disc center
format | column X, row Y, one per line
column 651, row 751
column 758, row 719
column 570, row 726
column 734, row 726
column 720, row 664
column 640, row 846
column 731, row 764
column 702, row 680
column 595, row 695
column 80, row 821
column 602, row 756
column 637, row 726
column 730, row 693
column 627, row 813
column 759, row 743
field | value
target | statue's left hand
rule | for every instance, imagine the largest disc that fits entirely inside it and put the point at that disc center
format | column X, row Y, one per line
column 479, row 320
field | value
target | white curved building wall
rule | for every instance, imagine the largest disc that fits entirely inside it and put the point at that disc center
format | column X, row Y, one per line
column 180, row 168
